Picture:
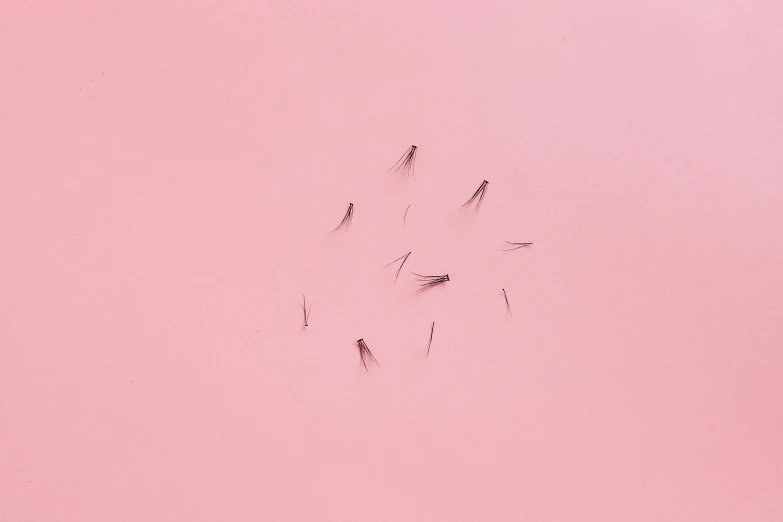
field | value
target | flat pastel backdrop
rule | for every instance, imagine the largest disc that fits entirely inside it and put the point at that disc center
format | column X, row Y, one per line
column 170, row 172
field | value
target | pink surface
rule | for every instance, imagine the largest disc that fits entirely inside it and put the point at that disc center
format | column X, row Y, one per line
column 169, row 176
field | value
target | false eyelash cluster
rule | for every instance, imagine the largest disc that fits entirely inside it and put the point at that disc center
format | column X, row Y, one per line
column 406, row 165
column 365, row 354
column 406, row 162
column 345, row 224
column 428, row 282
column 480, row 192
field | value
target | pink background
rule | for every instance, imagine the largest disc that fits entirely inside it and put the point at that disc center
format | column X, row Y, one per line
column 169, row 176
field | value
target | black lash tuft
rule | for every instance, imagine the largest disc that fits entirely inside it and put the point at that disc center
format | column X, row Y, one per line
column 428, row 282
column 480, row 192
column 347, row 219
column 406, row 162
column 365, row 354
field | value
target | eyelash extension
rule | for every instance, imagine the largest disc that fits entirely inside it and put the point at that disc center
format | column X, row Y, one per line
column 508, row 306
column 406, row 162
column 403, row 262
column 431, row 332
column 365, row 354
column 347, row 220
column 480, row 192
column 516, row 246
column 428, row 282
column 305, row 311
column 405, row 216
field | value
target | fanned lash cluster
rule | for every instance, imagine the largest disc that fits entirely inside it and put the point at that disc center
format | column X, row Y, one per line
column 345, row 224
column 406, row 165
column 428, row 282
column 365, row 354
column 480, row 193
column 406, row 162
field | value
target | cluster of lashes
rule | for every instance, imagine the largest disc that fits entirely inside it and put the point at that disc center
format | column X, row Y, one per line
column 406, row 165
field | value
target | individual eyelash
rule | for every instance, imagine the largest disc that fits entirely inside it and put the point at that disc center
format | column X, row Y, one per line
column 347, row 220
column 403, row 262
column 406, row 162
column 405, row 216
column 366, row 354
column 305, row 311
column 516, row 246
column 508, row 306
column 428, row 282
column 431, row 332
column 480, row 192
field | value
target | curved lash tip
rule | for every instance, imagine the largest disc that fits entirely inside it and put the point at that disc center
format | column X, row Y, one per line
column 432, row 331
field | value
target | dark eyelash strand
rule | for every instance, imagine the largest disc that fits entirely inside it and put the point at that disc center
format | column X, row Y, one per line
column 405, row 216
column 406, row 162
column 305, row 311
column 365, row 354
column 480, row 192
column 516, row 246
column 404, row 258
column 508, row 306
column 430, row 344
column 428, row 282
column 347, row 220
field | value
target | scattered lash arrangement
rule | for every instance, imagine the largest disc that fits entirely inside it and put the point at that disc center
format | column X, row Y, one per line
column 406, row 165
